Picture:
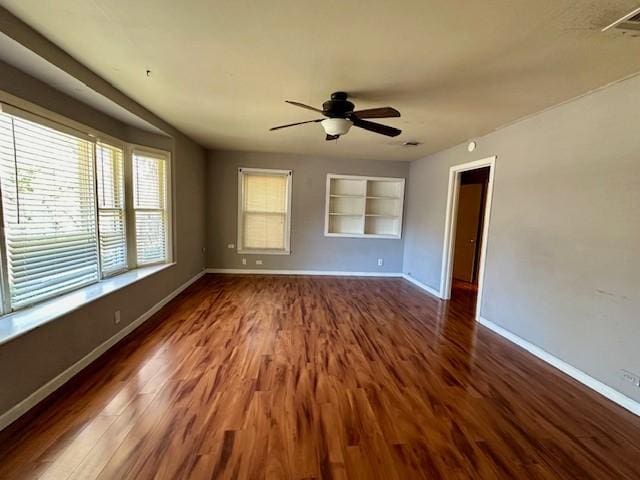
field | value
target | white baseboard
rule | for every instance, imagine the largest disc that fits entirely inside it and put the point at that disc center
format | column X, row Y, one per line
column 261, row 271
column 596, row 385
column 421, row 285
column 48, row 388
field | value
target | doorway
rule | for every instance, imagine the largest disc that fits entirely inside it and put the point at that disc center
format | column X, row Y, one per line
column 466, row 229
column 466, row 246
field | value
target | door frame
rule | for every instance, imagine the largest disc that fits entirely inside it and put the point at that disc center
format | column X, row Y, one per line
column 450, row 226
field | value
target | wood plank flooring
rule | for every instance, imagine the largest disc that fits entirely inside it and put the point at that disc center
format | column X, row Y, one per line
column 321, row 377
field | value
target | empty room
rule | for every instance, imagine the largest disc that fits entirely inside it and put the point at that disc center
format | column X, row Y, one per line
column 319, row 240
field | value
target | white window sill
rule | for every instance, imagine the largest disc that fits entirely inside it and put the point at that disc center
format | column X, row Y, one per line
column 264, row 252
column 18, row 323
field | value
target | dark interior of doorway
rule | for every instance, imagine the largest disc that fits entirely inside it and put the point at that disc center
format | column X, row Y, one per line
column 472, row 197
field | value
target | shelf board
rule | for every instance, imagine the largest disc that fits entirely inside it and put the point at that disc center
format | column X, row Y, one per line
column 362, row 235
column 360, row 205
column 382, row 235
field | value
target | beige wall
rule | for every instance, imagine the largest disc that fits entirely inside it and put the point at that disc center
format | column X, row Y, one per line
column 563, row 263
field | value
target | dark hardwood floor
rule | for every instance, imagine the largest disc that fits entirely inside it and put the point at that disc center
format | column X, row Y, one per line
column 321, row 377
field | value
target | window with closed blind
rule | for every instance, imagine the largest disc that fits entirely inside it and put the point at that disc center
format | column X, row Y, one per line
column 49, row 210
column 111, row 208
column 64, row 208
column 264, row 211
column 150, row 206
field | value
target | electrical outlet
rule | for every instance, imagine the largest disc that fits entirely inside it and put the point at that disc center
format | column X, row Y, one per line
column 231, row 245
column 380, row 262
column 116, row 317
column 244, row 261
column 631, row 377
column 258, row 262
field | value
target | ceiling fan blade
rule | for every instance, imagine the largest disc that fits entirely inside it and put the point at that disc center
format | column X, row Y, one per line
column 302, row 105
column 331, row 137
column 383, row 112
column 294, row 124
column 376, row 127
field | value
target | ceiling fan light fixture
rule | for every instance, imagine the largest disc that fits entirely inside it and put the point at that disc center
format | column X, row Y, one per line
column 336, row 126
column 341, row 115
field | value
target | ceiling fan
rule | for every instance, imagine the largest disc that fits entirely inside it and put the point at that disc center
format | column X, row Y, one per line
column 341, row 117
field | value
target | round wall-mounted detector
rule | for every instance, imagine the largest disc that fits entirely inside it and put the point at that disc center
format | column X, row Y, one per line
column 472, row 146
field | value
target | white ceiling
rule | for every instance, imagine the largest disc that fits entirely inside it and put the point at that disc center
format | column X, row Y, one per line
column 221, row 70
column 13, row 53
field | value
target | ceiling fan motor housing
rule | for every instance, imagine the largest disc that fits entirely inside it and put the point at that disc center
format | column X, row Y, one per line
column 338, row 106
column 341, row 117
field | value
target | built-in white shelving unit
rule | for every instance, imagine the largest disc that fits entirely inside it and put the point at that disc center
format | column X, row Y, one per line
column 369, row 207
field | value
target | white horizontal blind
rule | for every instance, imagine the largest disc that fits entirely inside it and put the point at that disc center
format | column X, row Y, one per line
column 111, row 213
column 264, row 210
column 48, row 199
column 150, row 206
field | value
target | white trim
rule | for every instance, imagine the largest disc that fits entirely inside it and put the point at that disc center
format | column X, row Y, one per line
column 51, row 386
column 596, row 385
column 21, row 322
column 335, row 273
column 166, row 209
column 287, row 217
column 485, row 235
column 423, row 286
column 365, row 197
column 450, row 227
column 263, row 252
column 363, row 177
column 122, row 209
column 363, row 235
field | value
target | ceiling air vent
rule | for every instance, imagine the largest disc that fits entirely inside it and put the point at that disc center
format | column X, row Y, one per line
column 630, row 23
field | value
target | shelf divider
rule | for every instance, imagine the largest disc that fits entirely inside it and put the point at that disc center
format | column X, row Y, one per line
column 366, row 207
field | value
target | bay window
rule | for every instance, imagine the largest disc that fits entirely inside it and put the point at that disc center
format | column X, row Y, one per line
column 63, row 208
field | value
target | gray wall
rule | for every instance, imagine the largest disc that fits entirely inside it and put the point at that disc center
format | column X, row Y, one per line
column 30, row 361
column 562, row 268
column 310, row 249
column 563, row 259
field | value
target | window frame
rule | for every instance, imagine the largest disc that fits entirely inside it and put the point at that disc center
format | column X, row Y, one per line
column 110, row 142
column 40, row 115
column 242, row 171
column 165, row 156
column 25, row 112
